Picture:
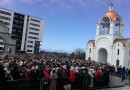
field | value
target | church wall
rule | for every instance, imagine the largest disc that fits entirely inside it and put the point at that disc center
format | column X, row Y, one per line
column 127, row 55
column 119, row 53
column 90, row 51
column 128, row 58
column 113, row 56
column 86, row 57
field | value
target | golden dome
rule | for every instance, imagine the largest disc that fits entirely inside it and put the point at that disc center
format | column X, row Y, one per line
column 112, row 15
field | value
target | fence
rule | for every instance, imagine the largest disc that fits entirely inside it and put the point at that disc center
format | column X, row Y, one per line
column 20, row 85
column 41, row 85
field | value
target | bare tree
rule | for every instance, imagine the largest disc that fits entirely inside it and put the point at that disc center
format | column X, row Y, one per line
column 78, row 54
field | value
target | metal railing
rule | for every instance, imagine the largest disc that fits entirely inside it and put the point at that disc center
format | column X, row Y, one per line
column 20, row 85
column 40, row 84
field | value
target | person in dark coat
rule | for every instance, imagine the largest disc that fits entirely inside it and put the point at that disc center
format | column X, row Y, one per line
column 106, row 77
column 123, row 73
column 86, row 79
column 15, row 73
column 2, row 74
column 34, row 73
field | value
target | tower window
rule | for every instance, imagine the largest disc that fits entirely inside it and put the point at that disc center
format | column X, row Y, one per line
column 118, row 52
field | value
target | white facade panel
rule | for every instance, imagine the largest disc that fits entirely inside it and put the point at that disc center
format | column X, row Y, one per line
column 9, row 15
column 24, row 33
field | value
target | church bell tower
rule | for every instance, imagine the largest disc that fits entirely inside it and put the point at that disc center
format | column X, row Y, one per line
column 110, row 24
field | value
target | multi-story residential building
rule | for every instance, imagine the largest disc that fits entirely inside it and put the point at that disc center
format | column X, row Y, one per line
column 26, row 29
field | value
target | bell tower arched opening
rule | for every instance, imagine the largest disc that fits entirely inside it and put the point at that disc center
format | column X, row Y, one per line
column 105, row 26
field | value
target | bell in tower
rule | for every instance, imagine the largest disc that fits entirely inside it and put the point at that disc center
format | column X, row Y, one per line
column 110, row 23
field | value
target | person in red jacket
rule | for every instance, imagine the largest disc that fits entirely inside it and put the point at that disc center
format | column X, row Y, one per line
column 26, row 75
column 72, row 77
column 97, row 77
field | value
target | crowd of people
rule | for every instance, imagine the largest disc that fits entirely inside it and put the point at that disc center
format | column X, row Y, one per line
column 57, row 71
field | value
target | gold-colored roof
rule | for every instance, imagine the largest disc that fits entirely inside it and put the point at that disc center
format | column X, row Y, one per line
column 112, row 15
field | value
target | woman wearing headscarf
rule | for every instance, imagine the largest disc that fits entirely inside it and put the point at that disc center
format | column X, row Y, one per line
column 53, row 78
column 91, row 85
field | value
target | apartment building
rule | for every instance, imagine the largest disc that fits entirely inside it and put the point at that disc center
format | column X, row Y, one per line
column 26, row 29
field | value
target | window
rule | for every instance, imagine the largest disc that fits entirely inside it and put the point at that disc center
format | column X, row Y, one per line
column 90, row 50
column 15, row 26
column 6, row 23
column 30, row 41
column 13, row 35
column 33, row 37
column 33, row 33
column 21, row 17
column 14, row 30
column 4, row 12
column 16, row 16
column 19, row 31
column 37, row 42
column 16, row 21
column 21, row 27
column 34, row 24
column 29, row 46
column 21, row 22
column 89, row 58
column 118, row 52
column 1, row 48
column 34, row 29
column 29, row 50
column 6, row 18
column 1, row 43
column 35, row 20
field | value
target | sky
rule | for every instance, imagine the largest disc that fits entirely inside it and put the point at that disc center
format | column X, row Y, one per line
column 69, row 24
